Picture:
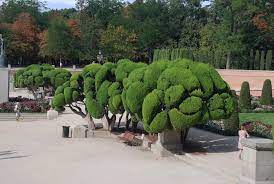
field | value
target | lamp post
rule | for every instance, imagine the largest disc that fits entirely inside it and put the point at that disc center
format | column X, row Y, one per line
column 100, row 57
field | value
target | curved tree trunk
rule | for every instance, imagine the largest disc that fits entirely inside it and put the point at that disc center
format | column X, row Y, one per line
column 120, row 119
column 91, row 124
column 127, row 121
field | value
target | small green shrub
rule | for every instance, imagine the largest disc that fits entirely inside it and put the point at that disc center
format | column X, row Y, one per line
column 266, row 97
column 245, row 98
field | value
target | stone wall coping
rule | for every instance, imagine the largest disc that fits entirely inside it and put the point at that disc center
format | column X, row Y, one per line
column 259, row 144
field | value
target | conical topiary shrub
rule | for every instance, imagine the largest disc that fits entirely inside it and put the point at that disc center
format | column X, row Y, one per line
column 266, row 97
column 245, row 98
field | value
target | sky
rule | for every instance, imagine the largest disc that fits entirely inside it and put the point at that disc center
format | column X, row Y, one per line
column 59, row 4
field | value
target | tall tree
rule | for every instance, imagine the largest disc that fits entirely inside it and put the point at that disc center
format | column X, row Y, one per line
column 25, row 39
column 58, row 40
column 118, row 43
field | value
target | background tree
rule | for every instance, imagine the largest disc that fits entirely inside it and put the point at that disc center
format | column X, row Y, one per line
column 118, row 43
column 25, row 39
column 58, row 40
column 32, row 77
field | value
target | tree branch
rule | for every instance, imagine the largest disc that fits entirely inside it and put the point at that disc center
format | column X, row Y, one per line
column 79, row 112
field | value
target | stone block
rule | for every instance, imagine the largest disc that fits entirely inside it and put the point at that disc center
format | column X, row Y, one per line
column 258, row 162
column 169, row 137
column 79, row 131
column 4, row 85
column 52, row 114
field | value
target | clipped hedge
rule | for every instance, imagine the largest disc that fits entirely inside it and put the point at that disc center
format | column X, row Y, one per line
column 266, row 97
column 245, row 98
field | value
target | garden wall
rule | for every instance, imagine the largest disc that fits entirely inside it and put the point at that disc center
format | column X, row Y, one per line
column 256, row 79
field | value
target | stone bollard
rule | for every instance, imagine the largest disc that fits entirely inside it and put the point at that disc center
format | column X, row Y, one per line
column 52, row 114
column 258, row 161
column 74, row 67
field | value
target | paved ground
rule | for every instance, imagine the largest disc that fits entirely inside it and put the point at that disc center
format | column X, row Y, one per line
column 34, row 153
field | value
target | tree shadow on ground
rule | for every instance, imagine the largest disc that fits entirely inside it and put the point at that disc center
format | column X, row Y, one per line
column 6, row 155
column 202, row 142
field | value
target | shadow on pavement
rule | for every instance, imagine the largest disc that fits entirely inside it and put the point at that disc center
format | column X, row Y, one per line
column 202, row 142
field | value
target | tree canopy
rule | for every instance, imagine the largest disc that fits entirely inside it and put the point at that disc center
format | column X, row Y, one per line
column 163, row 95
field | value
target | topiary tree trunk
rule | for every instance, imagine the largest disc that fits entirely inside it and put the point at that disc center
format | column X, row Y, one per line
column 266, row 97
column 245, row 98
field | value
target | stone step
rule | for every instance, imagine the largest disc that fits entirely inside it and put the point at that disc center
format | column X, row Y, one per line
column 25, row 116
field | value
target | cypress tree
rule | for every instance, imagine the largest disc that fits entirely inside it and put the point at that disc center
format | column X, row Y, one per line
column 262, row 61
column 245, row 98
column 268, row 60
column 266, row 97
column 251, row 58
column 257, row 60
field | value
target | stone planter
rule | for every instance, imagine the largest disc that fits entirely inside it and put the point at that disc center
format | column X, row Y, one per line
column 258, row 161
column 52, row 114
column 169, row 142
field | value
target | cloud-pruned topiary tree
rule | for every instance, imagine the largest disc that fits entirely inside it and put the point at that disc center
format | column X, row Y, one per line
column 266, row 97
column 32, row 77
column 245, row 98
column 57, row 77
column 187, row 93
column 163, row 95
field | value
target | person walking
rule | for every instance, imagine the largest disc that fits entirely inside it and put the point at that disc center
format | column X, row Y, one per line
column 17, row 111
column 242, row 135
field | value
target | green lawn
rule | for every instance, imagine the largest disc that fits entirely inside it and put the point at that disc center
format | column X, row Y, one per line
column 267, row 118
